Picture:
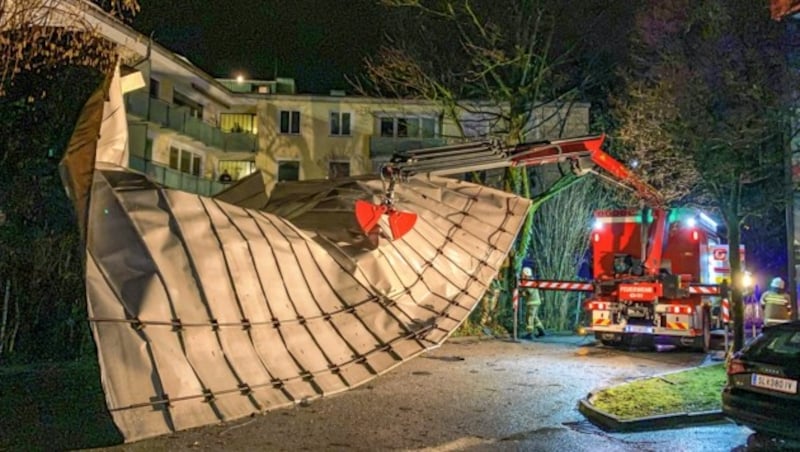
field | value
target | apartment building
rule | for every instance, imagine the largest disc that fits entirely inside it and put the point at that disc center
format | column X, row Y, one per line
column 187, row 127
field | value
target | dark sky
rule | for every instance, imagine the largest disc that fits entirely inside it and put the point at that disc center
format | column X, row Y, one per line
column 315, row 42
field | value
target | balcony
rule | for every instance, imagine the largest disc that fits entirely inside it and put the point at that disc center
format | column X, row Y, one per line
column 171, row 178
column 139, row 103
column 382, row 148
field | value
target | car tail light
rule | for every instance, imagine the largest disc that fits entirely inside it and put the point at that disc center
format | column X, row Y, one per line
column 735, row 366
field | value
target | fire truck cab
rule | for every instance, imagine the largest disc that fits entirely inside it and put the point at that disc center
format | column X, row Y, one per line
column 653, row 277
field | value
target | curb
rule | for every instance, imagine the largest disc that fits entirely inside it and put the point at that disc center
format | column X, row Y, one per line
column 611, row 423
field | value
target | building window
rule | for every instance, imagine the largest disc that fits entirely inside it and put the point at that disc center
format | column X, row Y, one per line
column 288, row 170
column 195, row 108
column 408, row 127
column 427, row 127
column 338, row 168
column 387, row 127
column 290, row 122
column 340, row 123
column 185, row 161
column 237, row 168
column 154, row 87
column 237, row 123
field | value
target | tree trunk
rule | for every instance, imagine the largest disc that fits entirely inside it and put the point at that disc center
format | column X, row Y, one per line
column 735, row 264
column 4, row 318
column 737, row 300
column 12, row 338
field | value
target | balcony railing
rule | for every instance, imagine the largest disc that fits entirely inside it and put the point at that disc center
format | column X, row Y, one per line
column 171, row 178
column 179, row 119
column 382, row 148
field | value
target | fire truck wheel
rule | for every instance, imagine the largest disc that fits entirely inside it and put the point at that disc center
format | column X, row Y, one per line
column 609, row 339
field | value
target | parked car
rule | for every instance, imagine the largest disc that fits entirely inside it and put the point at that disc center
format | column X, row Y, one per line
column 762, row 387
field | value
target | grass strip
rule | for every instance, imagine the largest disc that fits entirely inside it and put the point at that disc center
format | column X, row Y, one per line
column 687, row 391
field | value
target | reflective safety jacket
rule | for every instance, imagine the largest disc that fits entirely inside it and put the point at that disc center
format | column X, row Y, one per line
column 531, row 296
column 776, row 305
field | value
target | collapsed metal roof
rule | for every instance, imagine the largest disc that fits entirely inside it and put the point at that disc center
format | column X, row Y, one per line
column 210, row 309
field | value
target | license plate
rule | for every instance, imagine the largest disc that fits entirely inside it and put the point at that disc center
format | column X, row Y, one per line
column 774, row 383
column 638, row 329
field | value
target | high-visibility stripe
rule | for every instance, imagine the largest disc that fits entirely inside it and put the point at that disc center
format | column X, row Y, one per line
column 680, row 309
column 515, row 298
column 557, row 285
column 615, row 219
column 677, row 326
column 599, row 306
column 699, row 289
column 602, row 322
column 704, row 290
column 726, row 310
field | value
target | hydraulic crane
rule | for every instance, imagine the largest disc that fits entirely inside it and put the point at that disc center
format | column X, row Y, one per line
column 583, row 154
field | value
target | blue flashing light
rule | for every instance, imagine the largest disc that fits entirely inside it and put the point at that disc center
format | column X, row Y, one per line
column 691, row 222
column 597, row 225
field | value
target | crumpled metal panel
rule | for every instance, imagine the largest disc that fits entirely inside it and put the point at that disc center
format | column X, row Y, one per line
column 205, row 311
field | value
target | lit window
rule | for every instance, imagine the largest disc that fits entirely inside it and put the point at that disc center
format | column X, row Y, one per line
column 288, row 170
column 237, row 123
column 237, row 169
column 290, row 122
column 340, row 123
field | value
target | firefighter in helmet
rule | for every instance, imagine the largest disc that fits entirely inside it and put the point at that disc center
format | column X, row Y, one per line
column 532, row 299
column 775, row 303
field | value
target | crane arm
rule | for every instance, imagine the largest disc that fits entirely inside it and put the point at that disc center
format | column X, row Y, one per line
column 485, row 155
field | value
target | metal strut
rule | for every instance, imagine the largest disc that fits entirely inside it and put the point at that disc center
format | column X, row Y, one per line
column 486, row 155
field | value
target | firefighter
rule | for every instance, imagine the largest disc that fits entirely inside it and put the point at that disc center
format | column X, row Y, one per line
column 776, row 303
column 489, row 303
column 532, row 301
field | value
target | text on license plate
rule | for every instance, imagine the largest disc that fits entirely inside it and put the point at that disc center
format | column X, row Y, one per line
column 774, row 383
column 638, row 329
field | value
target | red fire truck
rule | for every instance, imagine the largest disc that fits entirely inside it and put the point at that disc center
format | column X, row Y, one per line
column 653, row 275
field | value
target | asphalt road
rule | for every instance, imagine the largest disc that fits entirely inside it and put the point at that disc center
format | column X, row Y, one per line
column 470, row 395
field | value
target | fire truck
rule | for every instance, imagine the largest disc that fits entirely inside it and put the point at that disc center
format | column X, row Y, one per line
column 653, row 275
column 652, row 270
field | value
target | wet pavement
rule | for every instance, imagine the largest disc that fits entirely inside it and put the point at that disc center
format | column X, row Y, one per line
column 471, row 394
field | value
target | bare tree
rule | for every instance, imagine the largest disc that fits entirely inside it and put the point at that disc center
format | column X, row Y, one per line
column 496, row 63
column 705, row 111
column 492, row 61
column 37, row 34
column 52, row 59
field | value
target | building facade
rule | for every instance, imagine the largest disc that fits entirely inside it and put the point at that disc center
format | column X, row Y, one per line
column 187, row 128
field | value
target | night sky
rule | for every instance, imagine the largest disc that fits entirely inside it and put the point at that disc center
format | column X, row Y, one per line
column 315, row 42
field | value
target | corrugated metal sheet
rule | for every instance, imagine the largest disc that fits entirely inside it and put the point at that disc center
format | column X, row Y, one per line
column 204, row 310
